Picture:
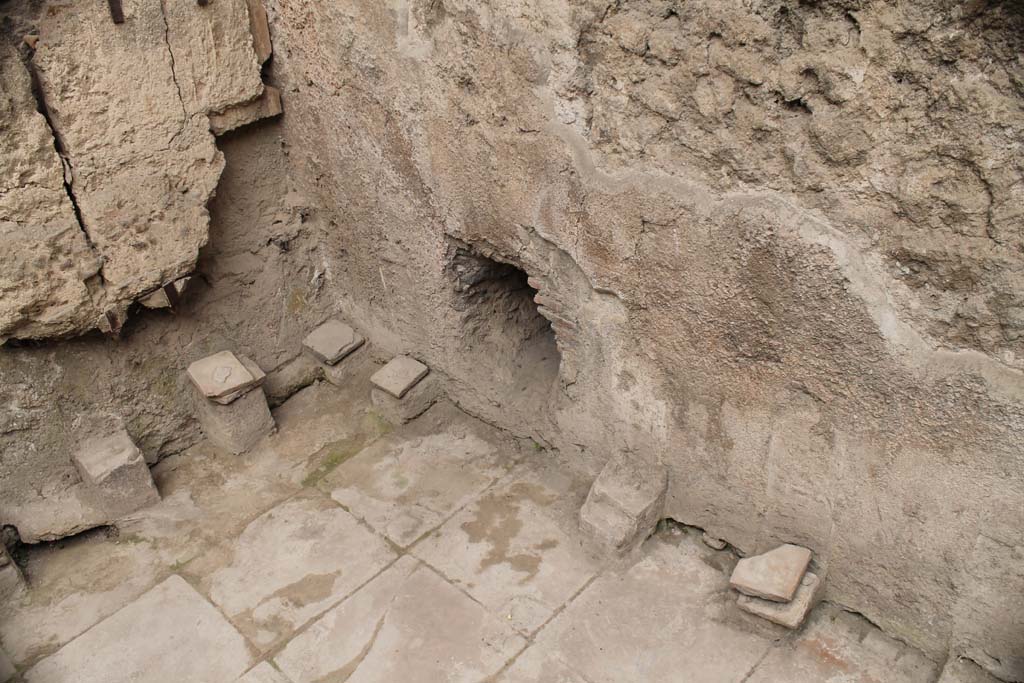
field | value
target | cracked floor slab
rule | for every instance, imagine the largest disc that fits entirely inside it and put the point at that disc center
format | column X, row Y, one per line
column 407, row 625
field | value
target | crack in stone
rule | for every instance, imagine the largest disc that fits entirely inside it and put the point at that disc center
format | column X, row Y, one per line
column 67, row 169
column 174, row 74
column 345, row 672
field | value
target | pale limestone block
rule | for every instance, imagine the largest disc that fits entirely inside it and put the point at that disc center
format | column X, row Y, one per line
column 774, row 575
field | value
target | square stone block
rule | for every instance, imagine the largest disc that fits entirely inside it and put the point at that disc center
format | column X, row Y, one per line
column 625, row 503
column 400, row 375
column 221, row 375
column 332, row 341
column 114, row 474
column 774, row 575
column 236, row 427
column 415, row 402
column 789, row 614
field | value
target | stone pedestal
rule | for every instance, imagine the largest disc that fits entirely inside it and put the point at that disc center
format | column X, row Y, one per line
column 115, row 477
column 329, row 345
column 413, row 404
column 624, row 504
column 230, row 403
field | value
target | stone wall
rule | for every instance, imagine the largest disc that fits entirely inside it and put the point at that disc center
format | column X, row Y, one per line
column 784, row 238
column 779, row 243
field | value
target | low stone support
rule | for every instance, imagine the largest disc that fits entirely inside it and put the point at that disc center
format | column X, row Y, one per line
column 624, row 503
column 402, row 391
column 230, row 404
column 115, row 476
column 330, row 344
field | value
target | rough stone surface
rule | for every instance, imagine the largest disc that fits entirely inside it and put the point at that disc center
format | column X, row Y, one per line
column 964, row 671
column 11, row 580
column 236, row 427
column 789, row 614
column 7, row 669
column 169, row 634
column 414, row 403
column 624, row 503
column 400, row 375
column 266, row 106
column 332, row 341
column 289, row 377
column 774, row 575
column 364, row 639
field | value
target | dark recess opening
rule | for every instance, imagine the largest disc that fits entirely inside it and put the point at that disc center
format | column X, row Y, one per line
column 503, row 331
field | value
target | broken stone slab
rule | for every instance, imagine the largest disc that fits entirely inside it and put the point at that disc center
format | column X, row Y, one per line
column 400, row 375
column 789, row 614
column 221, row 375
column 266, row 106
column 774, row 575
column 115, row 476
column 254, row 370
column 332, row 341
column 239, row 425
column 624, row 503
column 415, row 402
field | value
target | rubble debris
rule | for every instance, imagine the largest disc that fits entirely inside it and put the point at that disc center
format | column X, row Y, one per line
column 400, row 375
column 332, row 341
column 624, row 503
column 774, row 575
column 115, row 477
column 260, row 29
column 789, row 614
column 167, row 296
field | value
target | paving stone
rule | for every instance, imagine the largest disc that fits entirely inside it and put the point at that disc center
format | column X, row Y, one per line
column 169, row 634
column 658, row 622
column 774, row 575
column 410, row 482
column 263, row 673
column 788, row 614
column 407, row 625
column 290, row 564
column 220, row 375
column 238, row 426
column 516, row 549
column 830, row 649
column 624, row 503
column 115, row 477
column 400, row 375
column 332, row 341
column 415, row 402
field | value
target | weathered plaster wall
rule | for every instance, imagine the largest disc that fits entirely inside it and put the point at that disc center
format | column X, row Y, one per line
column 787, row 237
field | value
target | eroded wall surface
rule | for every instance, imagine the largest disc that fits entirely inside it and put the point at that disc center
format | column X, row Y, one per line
column 780, row 244
column 787, row 238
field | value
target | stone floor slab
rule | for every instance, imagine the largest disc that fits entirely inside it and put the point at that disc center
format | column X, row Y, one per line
column 407, row 625
column 839, row 647
column 169, row 634
column 667, row 619
column 289, row 565
column 517, row 549
column 410, row 482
